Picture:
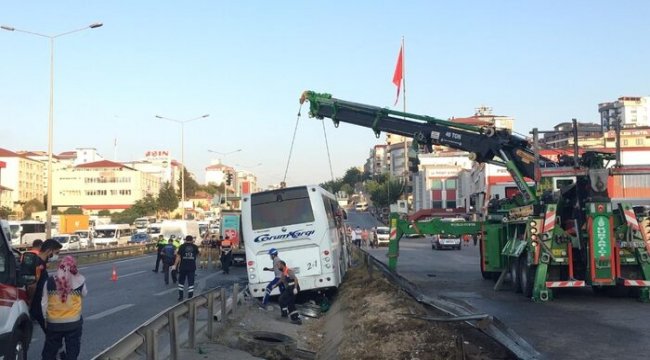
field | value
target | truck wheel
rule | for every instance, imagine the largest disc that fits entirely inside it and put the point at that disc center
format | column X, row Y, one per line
column 526, row 276
column 515, row 276
column 19, row 346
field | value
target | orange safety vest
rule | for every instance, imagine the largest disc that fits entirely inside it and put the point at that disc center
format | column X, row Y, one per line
column 226, row 243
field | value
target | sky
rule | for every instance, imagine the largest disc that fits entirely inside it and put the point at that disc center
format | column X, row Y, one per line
column 245, row 63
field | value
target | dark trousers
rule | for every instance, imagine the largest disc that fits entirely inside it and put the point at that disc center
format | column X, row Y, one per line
column 166, row 267
column 269, row 288
column 159, row 258
column 287, row 302
column 54, row 342
column 226, row 260
column 182, row 275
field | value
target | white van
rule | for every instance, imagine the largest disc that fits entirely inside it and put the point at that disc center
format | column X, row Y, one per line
column 180, row 229
column 112, row 234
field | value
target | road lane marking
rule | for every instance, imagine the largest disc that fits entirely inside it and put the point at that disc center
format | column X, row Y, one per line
column 175, row 288
column 131, row 274
column 127, row 260
column 197, row 285
column 109, row 312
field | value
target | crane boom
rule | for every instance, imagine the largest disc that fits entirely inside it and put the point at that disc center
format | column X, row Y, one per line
column 485, row 144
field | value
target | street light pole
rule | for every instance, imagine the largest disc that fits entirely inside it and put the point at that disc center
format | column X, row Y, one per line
column 50, row 126
column 183, row 122
column 224, row 153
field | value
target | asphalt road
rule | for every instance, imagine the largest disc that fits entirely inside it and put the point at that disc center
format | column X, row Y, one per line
column 576, row 325
column 113, row 309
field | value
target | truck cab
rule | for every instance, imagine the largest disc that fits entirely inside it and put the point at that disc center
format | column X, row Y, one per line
column 15, row 324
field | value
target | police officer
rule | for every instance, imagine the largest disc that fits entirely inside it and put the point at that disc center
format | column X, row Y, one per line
column 186, row 258
column 287, row 298
column 273, row 252
column 159, row 246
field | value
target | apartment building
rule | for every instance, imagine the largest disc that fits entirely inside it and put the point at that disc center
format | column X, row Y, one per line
column 632, row 111
column 22, row 175
column 102, row 185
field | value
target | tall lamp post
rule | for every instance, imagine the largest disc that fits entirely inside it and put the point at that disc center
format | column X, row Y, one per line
column 183, row 122
column 48, row 225
column 224, row 154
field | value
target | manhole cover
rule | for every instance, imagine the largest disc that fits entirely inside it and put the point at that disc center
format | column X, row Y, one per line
column 268, row 345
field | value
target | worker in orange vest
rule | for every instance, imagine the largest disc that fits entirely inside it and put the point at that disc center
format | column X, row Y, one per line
column 287, row 298
column 226, row 255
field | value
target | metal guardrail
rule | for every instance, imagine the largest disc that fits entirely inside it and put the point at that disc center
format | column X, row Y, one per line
column 182, row 325
column 111, row 252
column 488, row 324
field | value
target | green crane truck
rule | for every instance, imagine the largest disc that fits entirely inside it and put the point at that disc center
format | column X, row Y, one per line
column 553, row 234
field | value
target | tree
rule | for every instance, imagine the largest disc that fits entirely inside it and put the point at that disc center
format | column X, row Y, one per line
column 5, row 212
column 167, row 198
column 73, row 211
column 352, row 176
column 346, row 188
column 104, row 213
column 32, row 206
column 191, row 186
column 386, row 193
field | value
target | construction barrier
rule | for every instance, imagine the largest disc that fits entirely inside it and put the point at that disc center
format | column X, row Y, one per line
column 162, row 336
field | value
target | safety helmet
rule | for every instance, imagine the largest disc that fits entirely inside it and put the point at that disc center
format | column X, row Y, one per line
column 273, row 251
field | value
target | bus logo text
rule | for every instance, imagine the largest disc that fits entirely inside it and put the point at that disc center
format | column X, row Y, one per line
column 290, row 235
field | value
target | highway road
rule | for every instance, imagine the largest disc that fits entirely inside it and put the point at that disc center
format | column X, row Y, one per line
column 576, row 325
column 113, row 309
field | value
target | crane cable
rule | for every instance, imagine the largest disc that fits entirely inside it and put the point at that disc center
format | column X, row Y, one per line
column 293, row 140
column 329, row 157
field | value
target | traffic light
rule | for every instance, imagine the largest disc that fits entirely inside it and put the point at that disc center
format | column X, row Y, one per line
column 228, row 179
column 413, row 160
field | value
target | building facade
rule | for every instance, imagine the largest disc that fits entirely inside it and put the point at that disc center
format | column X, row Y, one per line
column 102, row 185
column 23, row 176
column 159, row 164
column 632, row 111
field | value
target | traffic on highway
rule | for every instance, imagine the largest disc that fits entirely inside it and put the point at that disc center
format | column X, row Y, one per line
column 161, row 197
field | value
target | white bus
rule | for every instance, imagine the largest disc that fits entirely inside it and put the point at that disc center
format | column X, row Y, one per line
column 23, row 233
column 112, row 234
column 305, row 225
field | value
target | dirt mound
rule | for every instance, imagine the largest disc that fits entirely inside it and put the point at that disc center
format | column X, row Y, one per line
column 377, row 326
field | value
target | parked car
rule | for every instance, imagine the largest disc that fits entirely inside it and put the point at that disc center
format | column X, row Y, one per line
column 139, row 238
column 448, row 241
column 85, row 237
column 383, row 235
column 68, row 241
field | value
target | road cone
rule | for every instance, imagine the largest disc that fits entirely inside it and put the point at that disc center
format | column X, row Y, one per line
column 114, row 274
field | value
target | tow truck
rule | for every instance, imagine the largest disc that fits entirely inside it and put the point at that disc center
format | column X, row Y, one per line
column 546, row 237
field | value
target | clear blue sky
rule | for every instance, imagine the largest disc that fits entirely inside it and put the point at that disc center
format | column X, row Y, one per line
column 246, row 63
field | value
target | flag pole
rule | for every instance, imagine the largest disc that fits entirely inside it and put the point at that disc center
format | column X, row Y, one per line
column 404, row 107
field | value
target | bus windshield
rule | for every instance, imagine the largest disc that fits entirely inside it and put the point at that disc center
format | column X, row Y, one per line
column 280, row 208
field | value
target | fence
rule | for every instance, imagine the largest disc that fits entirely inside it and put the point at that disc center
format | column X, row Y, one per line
column 181, row 325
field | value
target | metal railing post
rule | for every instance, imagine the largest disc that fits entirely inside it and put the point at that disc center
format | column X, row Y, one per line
column 151, row 344
column 223, row 304
column 191, row 336
column 173, row 336
column 235, row 295
column 210, row 314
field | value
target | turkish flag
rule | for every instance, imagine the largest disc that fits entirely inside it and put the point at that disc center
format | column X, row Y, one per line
column 399, row 74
